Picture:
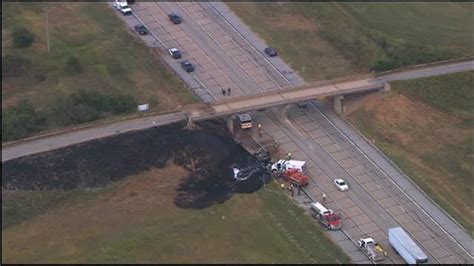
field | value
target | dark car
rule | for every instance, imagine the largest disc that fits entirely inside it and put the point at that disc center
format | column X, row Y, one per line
column 187, row 66
column 175, row 18
column 142, row 30
column 270, row 52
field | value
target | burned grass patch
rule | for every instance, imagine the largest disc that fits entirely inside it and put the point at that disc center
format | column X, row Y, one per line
column 208, row 154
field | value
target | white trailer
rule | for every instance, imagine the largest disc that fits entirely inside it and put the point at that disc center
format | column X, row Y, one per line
column 403, row 245
column 283, row 165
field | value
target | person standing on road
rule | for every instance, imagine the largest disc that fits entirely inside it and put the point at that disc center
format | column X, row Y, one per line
column 223, row 91
column 228, row 91
column 324, row 197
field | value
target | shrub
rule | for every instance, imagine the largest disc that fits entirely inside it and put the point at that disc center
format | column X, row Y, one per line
column 22, row 37
column 73, row 66
column 14, row 65
column 84, row 106
column 20, row 121
column 403, row 54
column 120, row 104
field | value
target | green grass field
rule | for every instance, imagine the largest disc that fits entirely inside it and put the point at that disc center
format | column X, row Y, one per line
column 425, row 126
column 135, row 220
column 111, row 60
column 329, row 40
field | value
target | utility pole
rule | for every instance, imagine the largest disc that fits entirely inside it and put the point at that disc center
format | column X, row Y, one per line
column 47, row 28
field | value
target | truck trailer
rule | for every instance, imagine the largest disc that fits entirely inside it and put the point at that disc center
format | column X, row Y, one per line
column 403, row 245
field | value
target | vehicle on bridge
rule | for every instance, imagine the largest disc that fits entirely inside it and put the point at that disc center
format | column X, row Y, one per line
column 326, row 217
column 244, row 121
column 284, row 165
column 404, row 246
column 372, row 249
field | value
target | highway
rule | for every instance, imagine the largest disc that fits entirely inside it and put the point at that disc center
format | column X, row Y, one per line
column 226, row 53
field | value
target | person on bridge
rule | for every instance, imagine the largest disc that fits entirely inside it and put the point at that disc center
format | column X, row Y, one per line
column 223, row 91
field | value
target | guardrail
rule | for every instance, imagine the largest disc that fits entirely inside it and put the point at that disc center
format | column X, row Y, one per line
column 95, row 123
column 414, row 67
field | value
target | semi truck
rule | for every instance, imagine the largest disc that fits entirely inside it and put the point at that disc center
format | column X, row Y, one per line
column 326, row 217
column 284, row 165
column 403, row 245
column 296, row 177
column 372, row 249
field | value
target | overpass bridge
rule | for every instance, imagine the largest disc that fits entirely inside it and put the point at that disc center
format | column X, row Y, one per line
column 193, row 112
column 282, row 97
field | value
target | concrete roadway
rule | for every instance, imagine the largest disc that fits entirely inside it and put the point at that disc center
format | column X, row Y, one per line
column 379, row 197
column 376, row 203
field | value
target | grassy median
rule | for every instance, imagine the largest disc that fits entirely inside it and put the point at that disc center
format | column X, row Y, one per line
column 426, row 127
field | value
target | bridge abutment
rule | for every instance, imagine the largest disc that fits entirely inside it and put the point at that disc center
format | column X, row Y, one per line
column 338, row 106
column 386, row 86
column 230, row 124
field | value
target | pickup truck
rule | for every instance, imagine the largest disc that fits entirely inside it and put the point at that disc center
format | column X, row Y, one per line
column 123, row 7
column 372, row 250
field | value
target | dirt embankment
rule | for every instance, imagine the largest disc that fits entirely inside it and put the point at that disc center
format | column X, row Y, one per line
column 208, row 155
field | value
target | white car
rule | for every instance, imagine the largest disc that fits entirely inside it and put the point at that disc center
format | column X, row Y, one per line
column 175, row 53
column 341, row 184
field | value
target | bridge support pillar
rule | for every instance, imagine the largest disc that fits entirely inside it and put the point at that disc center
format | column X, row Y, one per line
column 230, row 124
column 190, row 124
column 386, row 86
column 338, row 107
